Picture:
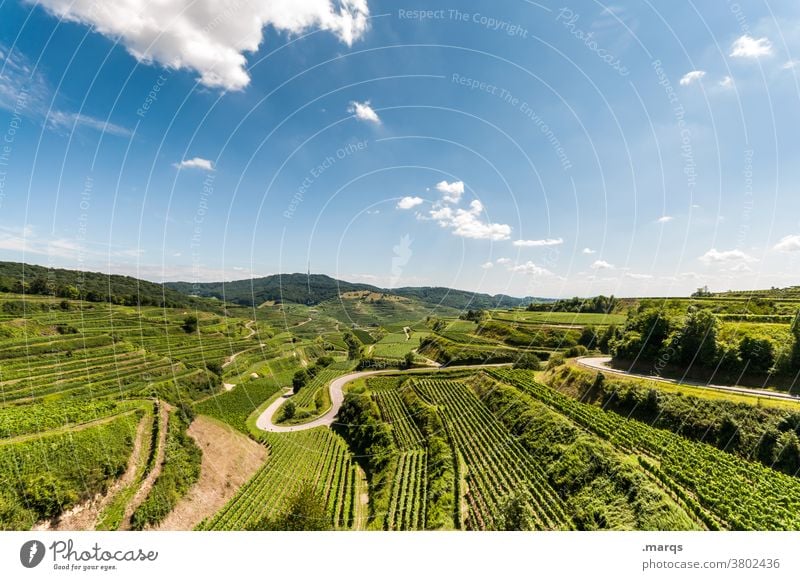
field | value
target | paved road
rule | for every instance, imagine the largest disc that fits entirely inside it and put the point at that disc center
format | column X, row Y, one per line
column 600, row 363
column 264, row 421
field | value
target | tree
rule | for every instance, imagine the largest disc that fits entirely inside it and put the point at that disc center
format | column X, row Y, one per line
column 408, row 360
column 289, row 410
column 353, row 346
column 528, row 361
column 189, row 325
column 757, row 354
column 588, row 337
column 307, row 512
column 696, row 341
column 515, row 513
column 795, row 361
column 299, row 380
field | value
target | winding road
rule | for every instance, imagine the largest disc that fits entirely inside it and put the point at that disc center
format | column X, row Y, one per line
column 264, row 421
column 600, row 363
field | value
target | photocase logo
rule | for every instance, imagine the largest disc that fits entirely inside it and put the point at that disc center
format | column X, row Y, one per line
column 32, row 553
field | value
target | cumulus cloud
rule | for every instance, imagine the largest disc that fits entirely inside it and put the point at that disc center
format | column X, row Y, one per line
column 748, row 47
column 531, row 269
column 665, row 219
column 364, row 112
column 588, row 251
column 503, row 260
column 195, row 163
column 452, row 192
column 487, row 265
column 601, row 265
column 633, row 276
column 538, row 243
column 208, row 36
column 726, row 83
column 788, row 244
column 408, row 202
column 714, row 256
column 691, row 77
column 467, row 223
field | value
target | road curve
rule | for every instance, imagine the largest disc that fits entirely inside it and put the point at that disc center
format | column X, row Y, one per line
column 600, row 363
column 264, row 421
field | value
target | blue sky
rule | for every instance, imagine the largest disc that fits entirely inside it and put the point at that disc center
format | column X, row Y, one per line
column 517, row 147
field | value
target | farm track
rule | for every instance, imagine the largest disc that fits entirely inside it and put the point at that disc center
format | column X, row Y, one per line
column 147, row 484
column 264, row 421
column 601, row 364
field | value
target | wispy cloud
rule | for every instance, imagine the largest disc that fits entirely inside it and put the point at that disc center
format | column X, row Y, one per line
column 24, row 89
column 665, row 219
column 538, row 243
column 588, row 251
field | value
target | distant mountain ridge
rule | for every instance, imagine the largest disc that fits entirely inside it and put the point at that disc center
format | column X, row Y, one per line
column 315, row 288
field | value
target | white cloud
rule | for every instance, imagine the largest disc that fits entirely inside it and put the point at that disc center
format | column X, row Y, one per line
column 452, row 191
column 502, row 261
column 36, row 98
column 364, row 112
column 726, row 83
column 665, row 219
column 748, row 47
column 638, row 276
column 691, row 77
column 487, row 265
column 788, row 244
column 714, row 256
column 538, row 243
column 408, row 202
column 195, row 163
column 208, row 36
column 59, row 119
column 790, row 64
column 531, row 269
column 466, row 223
column 588, row 251
column 601, row 265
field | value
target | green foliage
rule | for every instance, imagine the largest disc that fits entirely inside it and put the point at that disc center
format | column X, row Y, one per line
column 40, row 478
column 306, row 512
column 597, row 304
column 528, row 361
column 189, row 325
column 757, row 354
column 289, row 410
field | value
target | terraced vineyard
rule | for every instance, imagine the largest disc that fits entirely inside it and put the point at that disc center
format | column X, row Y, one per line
column 317, row 456
column 494, row 463
column 726, row 491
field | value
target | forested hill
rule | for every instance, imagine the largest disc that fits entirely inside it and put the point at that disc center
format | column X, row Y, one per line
column 316, row 288
column 91, row 286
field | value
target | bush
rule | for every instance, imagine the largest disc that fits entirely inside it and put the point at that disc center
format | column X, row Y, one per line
column 528, row 361
column 555, row 361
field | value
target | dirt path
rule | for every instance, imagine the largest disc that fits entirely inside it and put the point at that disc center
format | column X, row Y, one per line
column 229, row 460
column 147, row 484
column 84, row 516
column 264, row 421
column 600, row 363
column 407, row 330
